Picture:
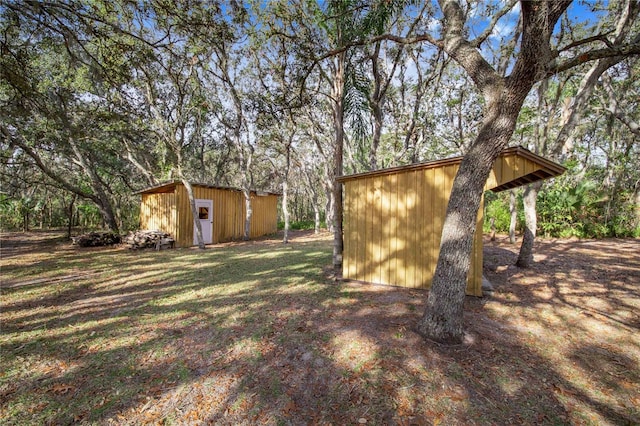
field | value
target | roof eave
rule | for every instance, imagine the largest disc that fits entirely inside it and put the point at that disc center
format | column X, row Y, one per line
column 168, row 184
column 551, row 169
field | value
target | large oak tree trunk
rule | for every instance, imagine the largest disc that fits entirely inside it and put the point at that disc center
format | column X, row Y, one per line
column 504, row 96
column 443, row 317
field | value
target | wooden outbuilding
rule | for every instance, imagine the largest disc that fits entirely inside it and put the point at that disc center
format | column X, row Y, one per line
column 221, row 211
column 393, row 218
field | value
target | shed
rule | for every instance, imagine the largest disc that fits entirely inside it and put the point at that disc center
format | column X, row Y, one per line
column 221, row 211
column 393, row 218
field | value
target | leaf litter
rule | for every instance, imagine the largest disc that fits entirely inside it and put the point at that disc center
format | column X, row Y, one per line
column 554, row 344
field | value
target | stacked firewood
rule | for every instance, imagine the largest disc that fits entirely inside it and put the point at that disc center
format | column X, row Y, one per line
column 149, row 239
column 95, row 239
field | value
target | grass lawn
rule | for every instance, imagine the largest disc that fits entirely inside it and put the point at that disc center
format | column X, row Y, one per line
column 256, row 333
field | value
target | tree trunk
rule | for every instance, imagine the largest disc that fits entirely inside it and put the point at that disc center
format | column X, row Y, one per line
column 493, row 229
column 43, row 214
column 525, row 258
column 285, row 210
column 249, row 213
column 108, row 215
column 95, row 183
column 70, row 217
column 316, row 211
column 194, row 213
column 514, row 216
column 25, row 220
column 636, row 200
column 338, row 125
column 443, row 317
column 329, row 212
column 285, row 189
column 377, row 132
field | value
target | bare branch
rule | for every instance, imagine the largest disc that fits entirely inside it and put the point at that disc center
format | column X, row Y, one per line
column 487, row 32
column 599, row 37
column 614, row 109
column 392, row 37
column 556, row 66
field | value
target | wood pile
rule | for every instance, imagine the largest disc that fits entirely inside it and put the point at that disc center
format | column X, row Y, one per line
column 95, row 239
column 149, row 239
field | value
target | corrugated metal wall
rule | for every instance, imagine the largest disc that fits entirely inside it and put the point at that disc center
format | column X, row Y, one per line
column 393, row 224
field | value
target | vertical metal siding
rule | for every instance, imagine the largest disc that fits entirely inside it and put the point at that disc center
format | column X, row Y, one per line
column 158, row 211
column 264, row 220
column 393, row 222
column 172, row 212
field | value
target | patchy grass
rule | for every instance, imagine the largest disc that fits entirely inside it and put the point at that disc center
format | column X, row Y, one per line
column 252, row 333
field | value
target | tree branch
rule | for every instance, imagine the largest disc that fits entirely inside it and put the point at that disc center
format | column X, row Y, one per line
column 600, row 37
column 467, row 55
column 556, row 66
column 15, row 141
column 487, row 32
column 614, row 109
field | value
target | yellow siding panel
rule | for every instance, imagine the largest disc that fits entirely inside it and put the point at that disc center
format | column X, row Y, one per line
column 496, row 176
column 264, row 220
column 184, row 222
column 412, row 230
column 508, row 168
column 419, row 220
column 376, row 211
column 361, row 218
column 173, row 211
column 440, row 198
column 157, row 211
column 348, row 258
column 429, row 252
column 401, row 259
column 517, row 167
column 396, row 221
column 364, row 249
column 393, row 229
column 373, row 255
column 385, row 232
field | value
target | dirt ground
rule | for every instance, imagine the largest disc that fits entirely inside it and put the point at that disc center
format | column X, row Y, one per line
column 558, row 343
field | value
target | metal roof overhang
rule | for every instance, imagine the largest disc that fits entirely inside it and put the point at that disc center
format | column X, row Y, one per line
column 170, row 186
column 548, row 169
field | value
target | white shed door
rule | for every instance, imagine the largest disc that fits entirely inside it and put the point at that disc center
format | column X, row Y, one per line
column 205, row 214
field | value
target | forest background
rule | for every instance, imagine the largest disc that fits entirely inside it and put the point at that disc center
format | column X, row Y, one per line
column 100, row 99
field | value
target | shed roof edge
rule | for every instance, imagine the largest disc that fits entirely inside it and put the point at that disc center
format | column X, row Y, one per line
column 157, row 188
column 555, row 168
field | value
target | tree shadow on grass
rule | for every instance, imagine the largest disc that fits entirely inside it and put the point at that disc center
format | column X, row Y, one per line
column 578, row 306
column 255, row 334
